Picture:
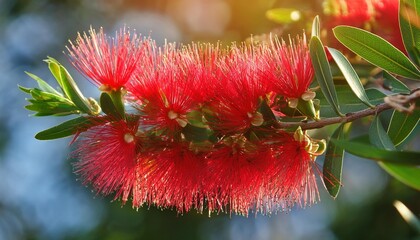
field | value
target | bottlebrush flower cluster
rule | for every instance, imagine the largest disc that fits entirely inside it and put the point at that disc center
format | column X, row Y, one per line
column 201, row 133
column 378, row 16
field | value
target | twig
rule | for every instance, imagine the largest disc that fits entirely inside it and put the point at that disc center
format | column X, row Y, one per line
column 397, row 102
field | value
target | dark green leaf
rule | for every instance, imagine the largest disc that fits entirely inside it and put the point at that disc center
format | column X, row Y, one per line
column 67, row 128
column 350, row 75
column 283, row 15
column 316, row 32
column 196, row 119
column 108, row 107
column 402, row 125
column 377, row 51
column 349, row 102
column 378, row 137
column 409, row 16
column 195, row 134
column 393, row 84
column 323, row 73
column 373, row 153
column 266, row 112
column 333, row 163
column 407, row 174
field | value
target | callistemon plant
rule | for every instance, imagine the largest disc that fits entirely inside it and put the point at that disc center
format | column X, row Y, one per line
column 206, row 127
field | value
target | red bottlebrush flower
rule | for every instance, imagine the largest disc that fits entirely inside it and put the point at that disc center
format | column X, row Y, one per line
column 288, row 67
column 175, row 178
column 237, row 92
column 168, row 86
column 108, row 62
column 378, row 16
column 107, row 158
column 386, row 18
column 260, row 177
column 295, row 180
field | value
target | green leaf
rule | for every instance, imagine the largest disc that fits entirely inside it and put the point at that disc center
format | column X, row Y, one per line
column 367, row 151
column 283, row 15
column 266, row 112
column 108, row 107
column 393, row 84
column 350, row 75
column 196, row 118
column 377, row 51
column 409, row 16
column 67, row 128
column 323, row 73
column 69, row 86
column 408, row 175
column 316, row 32
column 195, row 134
column 349, row 102
column 402, row 125
column 43, row 85
column 333, row 163
column 378, row 137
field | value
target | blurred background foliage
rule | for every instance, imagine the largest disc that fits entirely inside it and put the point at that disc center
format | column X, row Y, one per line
column 41, row 198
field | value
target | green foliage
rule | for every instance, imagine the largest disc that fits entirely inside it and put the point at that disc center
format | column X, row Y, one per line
column 108, row 106
column 402, row 125
column 333, row 163
column 370, row 152
column 67, row 128
column 393, row 84
column 409, row 16
column 323, row 73
column 349, row 102
column 69, row 87
column 350, row 75
column 409, row 175
column 376, row 50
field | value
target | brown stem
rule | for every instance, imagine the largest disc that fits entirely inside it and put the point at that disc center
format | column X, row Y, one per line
column 397, row 102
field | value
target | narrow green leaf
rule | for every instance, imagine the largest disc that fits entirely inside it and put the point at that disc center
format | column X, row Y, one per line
column 24, row 89
column 377, row 51
column 316, row 32
column 367, row 151
column 43, row 85
column 349, row 102
column 323, row 73
column 108, row 107
column 350, row 75
column 283, row 15
column 402, row 125
column 333, row 163
column 69, row 86
column 195, row 134
column 393, row 84
column 117, row 100
column 67, row 128
column 409, row 175
column 378, row 137
column 409, row 16
column 267, row 113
